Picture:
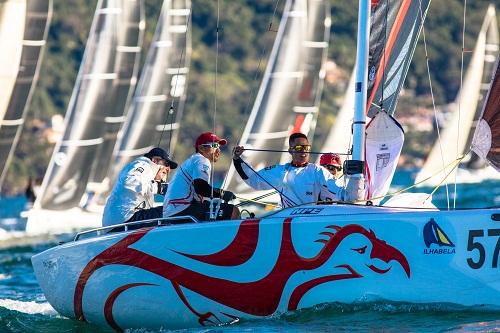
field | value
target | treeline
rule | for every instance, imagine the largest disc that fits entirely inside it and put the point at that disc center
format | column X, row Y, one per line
column 246, row 34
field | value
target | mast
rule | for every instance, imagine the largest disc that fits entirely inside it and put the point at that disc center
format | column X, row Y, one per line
column 355, row 166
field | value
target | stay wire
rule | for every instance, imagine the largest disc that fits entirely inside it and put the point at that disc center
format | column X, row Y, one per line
column 171, row 111
column 432, row 98
column 212, row 171
column 265, row 180
column 257, row 71
column 460, row 101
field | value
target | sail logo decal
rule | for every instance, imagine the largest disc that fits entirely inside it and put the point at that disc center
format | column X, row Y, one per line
column 435, row 235
column 363, row 254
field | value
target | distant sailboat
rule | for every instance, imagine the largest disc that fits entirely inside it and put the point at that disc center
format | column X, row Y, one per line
column 126, row 68
column 453, row 141
column 38, row 16
column 290, row 92
column 23, row 31
column 93, row 99
column 163, row 80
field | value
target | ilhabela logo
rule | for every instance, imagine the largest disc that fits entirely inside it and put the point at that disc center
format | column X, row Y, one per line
column 433, row 234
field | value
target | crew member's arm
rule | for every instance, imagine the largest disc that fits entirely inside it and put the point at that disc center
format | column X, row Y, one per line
column 329, row 188
column 203, row 188
column 258, row 180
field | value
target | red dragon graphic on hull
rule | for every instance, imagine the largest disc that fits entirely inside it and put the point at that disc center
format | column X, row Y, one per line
column 258, row 298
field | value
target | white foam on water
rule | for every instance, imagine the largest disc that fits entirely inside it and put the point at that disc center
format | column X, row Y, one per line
column 28, row 307
column 4, row 276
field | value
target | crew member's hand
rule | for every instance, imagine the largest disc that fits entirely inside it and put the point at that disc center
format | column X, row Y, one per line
column 162, row 173
column 228, row 195
column 237, row 151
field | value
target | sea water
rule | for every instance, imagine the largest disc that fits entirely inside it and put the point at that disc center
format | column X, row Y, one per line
column 23, row 307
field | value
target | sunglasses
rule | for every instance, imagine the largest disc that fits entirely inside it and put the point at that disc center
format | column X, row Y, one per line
column 214, row 145
column 333, row 167
column 301, row 148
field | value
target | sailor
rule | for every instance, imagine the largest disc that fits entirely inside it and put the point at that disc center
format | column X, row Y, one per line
column 191, row 184
column 332, row 163
column 299, row 182
column 132, row 197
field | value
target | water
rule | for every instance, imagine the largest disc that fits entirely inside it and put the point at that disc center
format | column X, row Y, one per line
column 23, row 307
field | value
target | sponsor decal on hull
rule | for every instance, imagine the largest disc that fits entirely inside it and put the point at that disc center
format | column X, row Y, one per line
column 434, row 236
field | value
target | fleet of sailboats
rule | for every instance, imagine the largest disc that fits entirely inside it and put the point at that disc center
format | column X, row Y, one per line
column 177, row 276
column 23, row 31
column 106, row 68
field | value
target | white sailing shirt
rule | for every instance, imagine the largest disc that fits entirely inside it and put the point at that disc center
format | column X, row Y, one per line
column 298, row 185
column 181, row 191
column 134, row 189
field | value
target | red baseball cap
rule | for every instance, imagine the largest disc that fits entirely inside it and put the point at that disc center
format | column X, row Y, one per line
column 330, row 159
column 209, row 137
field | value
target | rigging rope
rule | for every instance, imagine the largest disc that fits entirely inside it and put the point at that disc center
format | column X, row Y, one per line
column 460, row 100
column 432, row 98
column 171, row 111
column 256, row 76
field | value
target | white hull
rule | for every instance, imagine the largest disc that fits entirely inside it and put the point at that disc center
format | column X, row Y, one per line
column 211, row 273
column 45, row 221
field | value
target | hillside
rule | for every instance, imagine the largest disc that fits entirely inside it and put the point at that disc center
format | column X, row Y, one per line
column 244, row 42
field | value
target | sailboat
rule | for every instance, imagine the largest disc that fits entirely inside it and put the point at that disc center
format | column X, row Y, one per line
column 173, row 275
column 23, row 32
column 290, row 93
column 153, row 114
column 56, row 208
column 454, row 140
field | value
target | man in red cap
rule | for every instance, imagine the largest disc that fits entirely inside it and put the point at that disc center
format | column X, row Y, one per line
column 331, row 162
column 192, row 183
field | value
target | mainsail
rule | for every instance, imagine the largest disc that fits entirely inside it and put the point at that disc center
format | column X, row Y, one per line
column 453, row 140
column 126, row 67
column 290, row 92
column 38, row 14
column 394, row 31
column 163, row 79
column 12, row 19
column 486, row 141
column 92, row 98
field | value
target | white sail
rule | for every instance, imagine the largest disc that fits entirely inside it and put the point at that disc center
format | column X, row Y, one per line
column 163, row 79
column 455, row 136
column 130, row 38
column 38, row 15
column 66, row 178
column 290, row 92
column 12, row 19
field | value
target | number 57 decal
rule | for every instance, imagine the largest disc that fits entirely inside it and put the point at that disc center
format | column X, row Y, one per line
column 473, row 245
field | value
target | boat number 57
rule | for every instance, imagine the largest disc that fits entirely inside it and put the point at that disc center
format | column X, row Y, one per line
column 474, row 245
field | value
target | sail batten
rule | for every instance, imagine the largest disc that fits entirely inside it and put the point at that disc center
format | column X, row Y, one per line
column 95, row 96
column 163, row 81
column 37, row 18
column 290, row 91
